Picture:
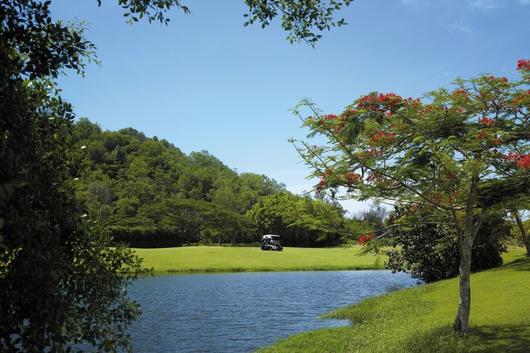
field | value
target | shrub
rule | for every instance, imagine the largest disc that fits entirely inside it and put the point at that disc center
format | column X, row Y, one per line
column 428, row 250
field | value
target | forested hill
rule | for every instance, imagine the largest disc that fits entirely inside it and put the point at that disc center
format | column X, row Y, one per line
column 147, row 192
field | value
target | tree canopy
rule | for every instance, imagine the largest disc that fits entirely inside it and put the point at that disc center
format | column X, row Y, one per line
column 463, row 151
column 302, row 20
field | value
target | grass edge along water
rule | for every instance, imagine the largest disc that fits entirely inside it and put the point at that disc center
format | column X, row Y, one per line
column 418, row 320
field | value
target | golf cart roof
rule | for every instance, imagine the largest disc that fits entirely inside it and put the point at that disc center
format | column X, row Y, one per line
column 271, row 236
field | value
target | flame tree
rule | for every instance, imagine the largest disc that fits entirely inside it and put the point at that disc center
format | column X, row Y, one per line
column 462, row 151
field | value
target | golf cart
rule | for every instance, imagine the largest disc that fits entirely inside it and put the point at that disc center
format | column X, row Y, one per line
column 271, row 242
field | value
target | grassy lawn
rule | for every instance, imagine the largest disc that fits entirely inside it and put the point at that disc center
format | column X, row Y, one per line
column 221, row 259
column 418, row 320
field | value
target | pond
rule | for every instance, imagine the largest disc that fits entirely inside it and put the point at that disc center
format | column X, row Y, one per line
column 240, row 312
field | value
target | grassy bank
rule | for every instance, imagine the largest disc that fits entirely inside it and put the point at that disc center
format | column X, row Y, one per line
column 418, row 320
column 230, row 259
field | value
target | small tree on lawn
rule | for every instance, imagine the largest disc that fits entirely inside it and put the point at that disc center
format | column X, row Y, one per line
column 450, row 152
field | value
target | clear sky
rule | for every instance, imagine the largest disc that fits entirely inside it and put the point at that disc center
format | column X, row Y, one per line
column 205, row 82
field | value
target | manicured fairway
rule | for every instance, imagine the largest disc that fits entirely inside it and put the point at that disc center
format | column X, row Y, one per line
column 418, row 320
column 220, row 258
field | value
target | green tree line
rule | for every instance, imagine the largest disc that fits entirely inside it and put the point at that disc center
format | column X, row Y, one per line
column 148, row 193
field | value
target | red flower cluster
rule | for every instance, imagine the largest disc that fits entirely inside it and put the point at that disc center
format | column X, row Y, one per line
column 365, row 238
column 383, row 138
column 496, row 80
column 390, row 98
column 487, row 121
column 375, row 177
column 512, row 156
column 352, row 178
column 322, row 121
column 380, row 103
column 461, row 93
column 522, row 161
column 415, row 102
column 321, row 185
column 523, row 65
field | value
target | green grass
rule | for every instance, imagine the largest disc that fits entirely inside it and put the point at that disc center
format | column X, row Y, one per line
column 231, row 259
column 418, row 320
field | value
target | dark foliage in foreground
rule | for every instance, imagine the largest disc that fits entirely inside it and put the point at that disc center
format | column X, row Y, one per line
column 60, row 283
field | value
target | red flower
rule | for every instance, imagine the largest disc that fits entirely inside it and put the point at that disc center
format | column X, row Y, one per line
column 321, row 185
column 375, row 177
column 523, row 65
column 381, row 102
column 523, row 162
column 330, row 117
column 487, row 121
column 512, row 156
column 383, row 137
column 365, row 238
column 414, row 102
column 460, row 93
column 390, row 98
column 352, row 178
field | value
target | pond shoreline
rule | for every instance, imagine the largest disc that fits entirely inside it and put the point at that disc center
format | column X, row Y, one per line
column 250, row 270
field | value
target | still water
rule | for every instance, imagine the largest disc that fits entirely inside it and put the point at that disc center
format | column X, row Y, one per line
column 240, row 312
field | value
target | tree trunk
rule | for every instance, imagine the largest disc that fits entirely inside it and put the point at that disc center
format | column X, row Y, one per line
column 466, row 236
column 520, row 225
column 461, row 323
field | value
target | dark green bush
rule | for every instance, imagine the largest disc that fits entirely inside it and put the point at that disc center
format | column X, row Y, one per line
column 428, row 250
column 146, row 237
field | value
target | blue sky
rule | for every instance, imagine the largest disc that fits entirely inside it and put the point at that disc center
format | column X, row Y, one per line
column 205, row 82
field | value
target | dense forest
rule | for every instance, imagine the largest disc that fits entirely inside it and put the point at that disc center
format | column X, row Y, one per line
column 146, row 192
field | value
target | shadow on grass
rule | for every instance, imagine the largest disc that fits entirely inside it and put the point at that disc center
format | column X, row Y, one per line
column 517, row 265
column 520, row 265
column 483, row 339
